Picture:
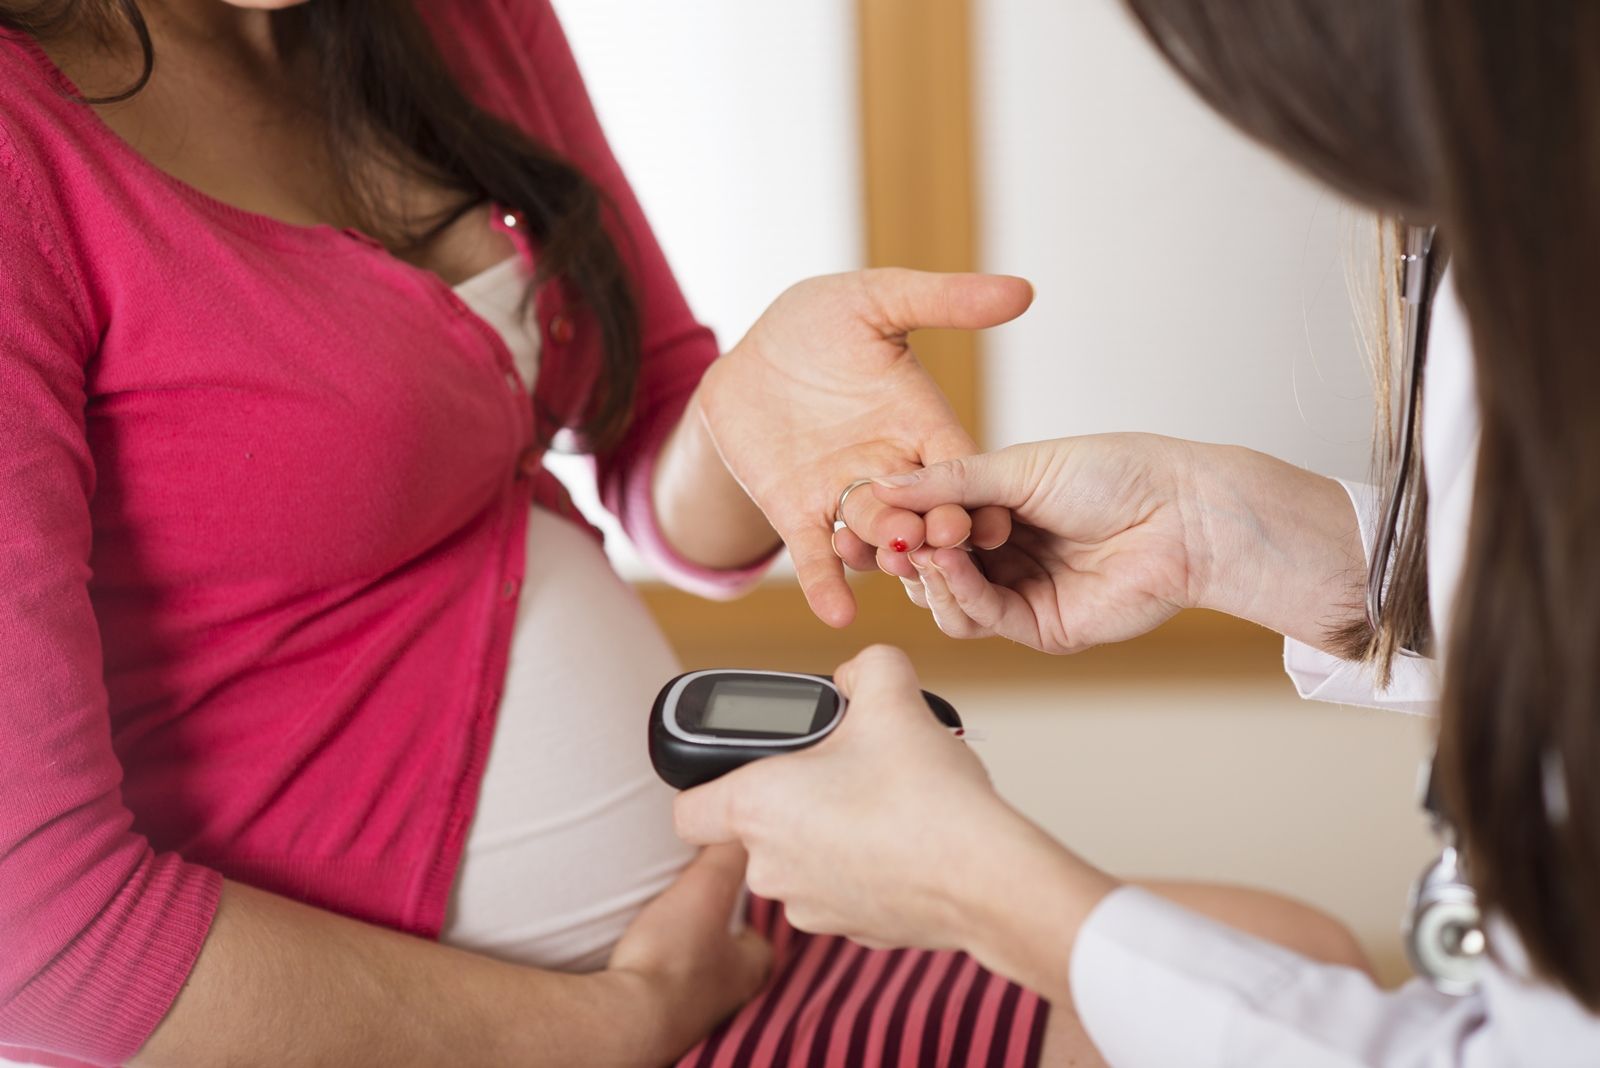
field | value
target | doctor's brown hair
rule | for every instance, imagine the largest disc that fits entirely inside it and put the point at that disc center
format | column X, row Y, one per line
column 1483, row 117
column 389, row 101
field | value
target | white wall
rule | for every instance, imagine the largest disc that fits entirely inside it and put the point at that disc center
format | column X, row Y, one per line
column 736, row 121
column 1188, row 282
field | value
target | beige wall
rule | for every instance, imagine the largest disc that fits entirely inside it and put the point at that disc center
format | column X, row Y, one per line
column 1235, row 780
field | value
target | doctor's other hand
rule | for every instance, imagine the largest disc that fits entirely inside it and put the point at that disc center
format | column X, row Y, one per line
column 680, row 960
column 1116, row 533
column 889, row 832
column 824, row 390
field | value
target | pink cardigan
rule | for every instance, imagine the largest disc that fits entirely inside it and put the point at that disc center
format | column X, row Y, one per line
column 263, row 491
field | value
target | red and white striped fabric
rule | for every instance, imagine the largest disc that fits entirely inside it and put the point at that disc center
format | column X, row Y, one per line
column 832, row 1003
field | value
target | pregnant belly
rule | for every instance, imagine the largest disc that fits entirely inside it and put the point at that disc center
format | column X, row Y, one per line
column 573, row 831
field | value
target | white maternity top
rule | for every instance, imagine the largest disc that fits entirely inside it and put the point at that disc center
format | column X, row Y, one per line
column 573, row 831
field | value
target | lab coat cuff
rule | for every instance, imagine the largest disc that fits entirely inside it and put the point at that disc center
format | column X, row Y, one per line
column 1320, row 676
column 1368, row 504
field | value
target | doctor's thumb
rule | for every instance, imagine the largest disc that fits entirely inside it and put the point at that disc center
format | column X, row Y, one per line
column 879, row 673
column 1008, row 478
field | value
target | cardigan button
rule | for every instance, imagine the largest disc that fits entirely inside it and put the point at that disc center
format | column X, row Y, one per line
column 528, row 463
column 561, row 330
column 508, row 589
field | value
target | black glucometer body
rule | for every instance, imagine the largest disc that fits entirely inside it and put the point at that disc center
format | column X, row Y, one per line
column 707, row 723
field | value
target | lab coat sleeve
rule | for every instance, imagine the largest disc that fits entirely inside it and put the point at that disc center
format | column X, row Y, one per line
column 1320, row 676
column 1157, row 985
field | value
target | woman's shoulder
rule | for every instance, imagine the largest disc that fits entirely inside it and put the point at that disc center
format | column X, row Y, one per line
column 523, row 22
column 25, row 87
column 48, row 165
column 509, row 55
column 43, row 123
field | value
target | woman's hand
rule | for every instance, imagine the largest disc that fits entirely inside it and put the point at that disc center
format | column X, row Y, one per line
column 680, row 959
column 1116, row 533
column 824, row 390
column 889, row 832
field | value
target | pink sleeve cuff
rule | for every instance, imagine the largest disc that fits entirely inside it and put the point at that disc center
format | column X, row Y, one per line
column 637, row 511
column 105, row 994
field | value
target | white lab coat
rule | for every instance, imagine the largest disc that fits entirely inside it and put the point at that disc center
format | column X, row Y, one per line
column 1158, row 986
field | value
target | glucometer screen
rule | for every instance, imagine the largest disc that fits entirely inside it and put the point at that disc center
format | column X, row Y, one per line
column 776, row 706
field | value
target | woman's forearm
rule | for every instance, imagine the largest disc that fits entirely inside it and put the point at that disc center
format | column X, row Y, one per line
column 283, row 983
column 705, row 515
column 1281, row 544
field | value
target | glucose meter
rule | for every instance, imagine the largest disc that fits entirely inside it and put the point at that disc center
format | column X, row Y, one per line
column 707, row 723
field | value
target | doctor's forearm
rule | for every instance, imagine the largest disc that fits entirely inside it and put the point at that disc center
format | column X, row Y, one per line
column 1023, row 911
column 1282, row 544
column 705, row 515
column 1020, row 911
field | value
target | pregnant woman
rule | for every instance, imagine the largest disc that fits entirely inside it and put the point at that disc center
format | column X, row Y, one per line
column 305, row 661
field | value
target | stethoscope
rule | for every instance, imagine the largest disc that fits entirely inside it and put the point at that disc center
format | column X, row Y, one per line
column 1444, row 933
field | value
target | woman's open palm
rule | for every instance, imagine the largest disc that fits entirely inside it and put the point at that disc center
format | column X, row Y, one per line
column 824, row 390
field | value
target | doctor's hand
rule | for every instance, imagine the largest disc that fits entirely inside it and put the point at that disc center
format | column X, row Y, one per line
column 889, row 831
column 824, row 390
column 1114, row 534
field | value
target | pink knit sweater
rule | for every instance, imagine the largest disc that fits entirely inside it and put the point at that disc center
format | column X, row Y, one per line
column 263, row 491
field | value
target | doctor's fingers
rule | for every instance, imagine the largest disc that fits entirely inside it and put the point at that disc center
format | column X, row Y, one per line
column 1009, row 478
column 947, row 612
column 975, row 605
column 984, row 527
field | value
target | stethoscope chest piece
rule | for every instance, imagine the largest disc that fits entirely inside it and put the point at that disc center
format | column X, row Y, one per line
column 1444, row 932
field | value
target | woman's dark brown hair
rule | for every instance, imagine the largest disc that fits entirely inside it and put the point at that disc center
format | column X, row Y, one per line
column 1483, row 117
column 388, row 99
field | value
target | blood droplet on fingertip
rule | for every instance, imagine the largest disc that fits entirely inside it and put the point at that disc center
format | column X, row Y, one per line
column 899, row 545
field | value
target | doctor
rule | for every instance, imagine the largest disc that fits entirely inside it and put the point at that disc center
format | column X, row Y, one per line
column 1484, row 594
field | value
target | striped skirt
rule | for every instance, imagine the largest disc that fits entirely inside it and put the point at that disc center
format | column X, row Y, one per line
column 830, row 1003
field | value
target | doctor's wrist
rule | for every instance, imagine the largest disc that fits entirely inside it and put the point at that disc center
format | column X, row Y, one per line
column 1024, row 922
column 1271, row 543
